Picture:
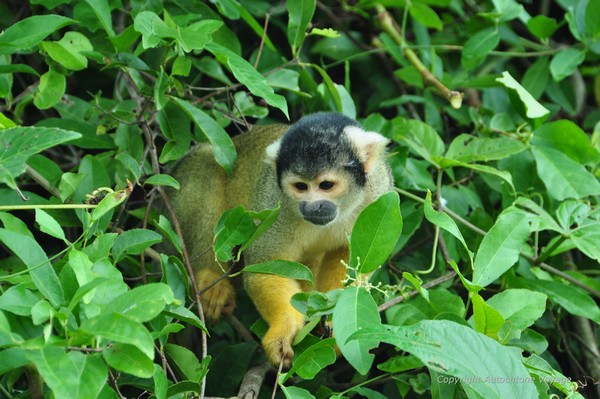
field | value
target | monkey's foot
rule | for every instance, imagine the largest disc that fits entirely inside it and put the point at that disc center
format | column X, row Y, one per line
column 220, row 298
column 277, row 342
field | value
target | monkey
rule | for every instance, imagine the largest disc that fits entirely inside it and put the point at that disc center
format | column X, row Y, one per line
column 322, row 171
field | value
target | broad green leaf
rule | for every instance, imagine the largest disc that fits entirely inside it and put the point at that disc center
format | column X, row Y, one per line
column 445, row 222
column 563, row 177
column 143, row 303
column 505, row 176
column 335, row 94
column 420, row 137
column 30, row 31
column 16, row 68
column 592, row 19
column 174, row 123
column 49, row 225
column 466, row 148
column 50, row 90
column 234, row 228
column 487, row 319
column 161, row 383
column 184, row 314
column 587, row 240
column 222, row 146
column 186, row 361
column 312, row 360
column 118, row 328
column 565, row 136
column 455, row 350
column 70, row 375
column 283, row 268
column 12, row 358
column 284, row 79
column 41, row 312
column 163, row 180
column 68, row 50
column 160, row 86
column 478, row 46
column 375, row 233
column 193, row 37
column 108, row 203
column 425, row 15
column 102, row 10
column 129, row 359
column 354, row 311
column 536, row 77
column 33, row 256
column 134, row 242
column 296, row 393
column 266, row 218
column 565, row 63
column 131, row 164
column 508, row 9
column 18, row 300
column 541, row 26
column 500, row 248
column 300, row 14
column 245, row 73
column 573, row 299
column 519, row 307
column 522, row 100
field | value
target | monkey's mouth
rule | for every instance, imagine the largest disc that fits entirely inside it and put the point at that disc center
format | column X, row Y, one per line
column 320, row 220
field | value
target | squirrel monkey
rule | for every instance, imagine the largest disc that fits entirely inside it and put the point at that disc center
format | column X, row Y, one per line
column 323, row 170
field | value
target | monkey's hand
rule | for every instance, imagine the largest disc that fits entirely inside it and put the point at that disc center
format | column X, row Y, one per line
column 278, row 340
column 220, row 298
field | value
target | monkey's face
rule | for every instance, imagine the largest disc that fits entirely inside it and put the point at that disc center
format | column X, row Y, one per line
column 323, row 199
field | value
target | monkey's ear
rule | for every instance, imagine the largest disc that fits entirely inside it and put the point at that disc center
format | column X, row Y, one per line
column 370, row 146
column 272, row 151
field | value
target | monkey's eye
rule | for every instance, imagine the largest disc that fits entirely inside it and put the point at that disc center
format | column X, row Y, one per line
column 301, row 186
column 326, row 185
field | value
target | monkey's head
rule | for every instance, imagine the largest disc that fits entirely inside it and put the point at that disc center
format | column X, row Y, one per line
column 324, row 164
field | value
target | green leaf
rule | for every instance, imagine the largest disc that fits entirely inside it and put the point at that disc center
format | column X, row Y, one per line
column 186, row 361
column 442, row 220
column 296, row 393
column 134, row 242
column 30, row 31
column 118, row 328
column 375, row 233
column 70, row 375
column 355, row 310
column 161, row 383
column 108, row 203
column 16, row 68
column 245, row 73
column 143, row 303
column 504, row 175
column 234, row 228
column 565, row 136
column 541, row 26
column 129, row 359
column 163, row 180
column 522, row 100
column 487, row 319
column 478, row 46
column 300, row 14
column 425, row 15
column 466, row 148
column 222, row 146
column 420, row 137
column 573, row 299
column 565, row 63
column 102, row 11
column 49, row 225
column 283, row 268
column 18, row 300
column 563, row 177
column 520, row 308
column 67, row 51
column 50, row 90
column 33, row 256
column 480, row 363
column 312, row 360
column 536, row 78
column 500, row 248
column 587, row 240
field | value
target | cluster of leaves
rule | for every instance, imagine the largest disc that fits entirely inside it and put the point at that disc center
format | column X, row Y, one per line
column 489, row 290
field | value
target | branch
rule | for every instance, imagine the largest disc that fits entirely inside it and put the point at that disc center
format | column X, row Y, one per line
column 390, row 26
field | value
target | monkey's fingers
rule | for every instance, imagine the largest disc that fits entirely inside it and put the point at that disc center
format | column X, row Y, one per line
column 279, row 349
column 219, row 299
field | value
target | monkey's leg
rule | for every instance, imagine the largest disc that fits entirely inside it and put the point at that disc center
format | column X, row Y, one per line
column 332, row 273
column 272, row 295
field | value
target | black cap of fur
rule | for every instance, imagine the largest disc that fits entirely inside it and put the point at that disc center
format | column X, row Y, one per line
column 317, row 143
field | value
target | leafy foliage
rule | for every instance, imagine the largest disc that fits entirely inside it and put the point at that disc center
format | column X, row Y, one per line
column 491, row 249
